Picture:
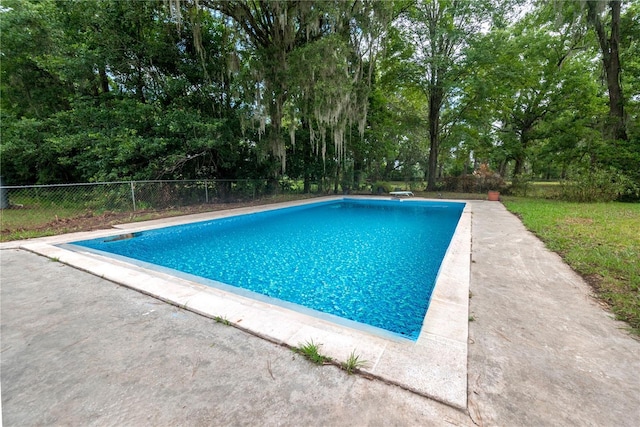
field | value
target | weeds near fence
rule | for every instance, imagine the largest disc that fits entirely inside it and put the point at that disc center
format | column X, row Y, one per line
column 13, row 226
column 36, row 211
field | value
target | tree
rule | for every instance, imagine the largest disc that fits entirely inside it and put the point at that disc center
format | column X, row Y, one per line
column 540, row 89
column 30, row 83
column 439, row 30
column 163, row 111
column 608, row 34
column 304, row 62
column 105, row 89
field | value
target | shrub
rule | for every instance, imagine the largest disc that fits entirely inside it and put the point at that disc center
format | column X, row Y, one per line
column 490, row 183
column 448, row 183
column 417, row 185
column 481, row 181
column 467, row 183
column 597, row 185
column 462, row 183
column 487, row 180
column 381, row 187
column 520, row 185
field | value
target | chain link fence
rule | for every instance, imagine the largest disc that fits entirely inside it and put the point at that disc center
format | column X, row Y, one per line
column 139, row 195
column 36, row 210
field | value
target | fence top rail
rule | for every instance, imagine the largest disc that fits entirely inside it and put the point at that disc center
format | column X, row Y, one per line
column 78, row 184
column 87, row 184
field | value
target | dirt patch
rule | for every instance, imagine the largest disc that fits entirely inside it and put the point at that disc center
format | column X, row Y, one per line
column 89, row 221
column 581, row 221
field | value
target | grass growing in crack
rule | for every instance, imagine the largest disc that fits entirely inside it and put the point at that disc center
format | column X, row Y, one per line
column 353, row 363
column 311, row 351
column 221, row 319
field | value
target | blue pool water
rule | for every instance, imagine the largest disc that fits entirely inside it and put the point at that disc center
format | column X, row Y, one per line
column 371, row 261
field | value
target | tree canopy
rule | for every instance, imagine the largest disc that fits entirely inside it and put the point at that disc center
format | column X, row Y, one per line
column 337, row 92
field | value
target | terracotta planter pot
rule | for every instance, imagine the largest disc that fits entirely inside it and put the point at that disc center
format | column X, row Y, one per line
column 494, row 196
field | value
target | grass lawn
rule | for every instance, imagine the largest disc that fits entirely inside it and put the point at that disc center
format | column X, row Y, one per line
column 29, row 218
column 601, row 241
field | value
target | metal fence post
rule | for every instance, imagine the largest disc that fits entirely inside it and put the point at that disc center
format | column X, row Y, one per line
column 206, row 191
column 133, row 196
column 4, row 197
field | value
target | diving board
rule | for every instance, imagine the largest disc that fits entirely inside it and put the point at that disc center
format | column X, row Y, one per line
column 402, row 193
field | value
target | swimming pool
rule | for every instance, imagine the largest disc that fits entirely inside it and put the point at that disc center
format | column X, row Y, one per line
column 434, row 365
column 370, row 261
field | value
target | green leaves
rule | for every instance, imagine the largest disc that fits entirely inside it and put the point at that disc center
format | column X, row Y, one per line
column 105, row 89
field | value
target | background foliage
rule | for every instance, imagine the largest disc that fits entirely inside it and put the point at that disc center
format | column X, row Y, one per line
column 341, row 93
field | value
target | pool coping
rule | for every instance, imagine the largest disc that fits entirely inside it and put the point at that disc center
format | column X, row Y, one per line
column 435, row 365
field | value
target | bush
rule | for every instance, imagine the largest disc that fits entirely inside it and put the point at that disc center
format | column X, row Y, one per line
column 487, row 180
column 381, row 187
column 459, row 184
column 448, row 183
column 476, row 183
column 417, row 185
column 597, row 185
column 520, row 185
column 490, row 183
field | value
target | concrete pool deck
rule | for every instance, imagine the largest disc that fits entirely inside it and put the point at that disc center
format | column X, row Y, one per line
column 77, row 349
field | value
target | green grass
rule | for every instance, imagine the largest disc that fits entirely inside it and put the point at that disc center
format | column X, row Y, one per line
column 311, row 351
column 29, row 218
column 222, row 319
column 353, row 363
column 601, row 241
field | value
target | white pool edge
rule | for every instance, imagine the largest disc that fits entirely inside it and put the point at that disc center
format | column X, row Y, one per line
column 434, row 366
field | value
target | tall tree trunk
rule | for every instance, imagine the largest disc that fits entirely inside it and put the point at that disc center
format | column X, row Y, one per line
column 517, row 169
column 520, row 156
column 610, row 47
column 307, row 159
column 104, row 79
column 616, row 100
column 502, row 169
column 435, row 103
